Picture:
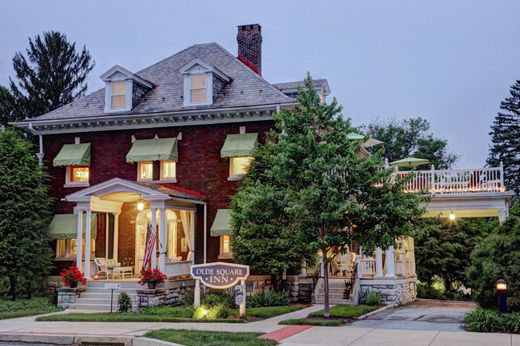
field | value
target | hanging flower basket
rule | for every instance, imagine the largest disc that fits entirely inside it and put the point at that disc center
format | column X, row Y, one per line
column 72, row 276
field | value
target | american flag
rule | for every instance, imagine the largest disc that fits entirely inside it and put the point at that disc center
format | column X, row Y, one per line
column 148, row 250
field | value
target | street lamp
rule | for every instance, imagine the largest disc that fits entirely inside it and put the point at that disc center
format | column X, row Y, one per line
column 501, row 287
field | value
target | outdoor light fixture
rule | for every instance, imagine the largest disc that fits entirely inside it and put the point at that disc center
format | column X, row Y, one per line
column 140, row 205
column 502, row 286
column 452, row 216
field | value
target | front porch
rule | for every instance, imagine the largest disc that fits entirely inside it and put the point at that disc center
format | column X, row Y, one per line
column 120, row 212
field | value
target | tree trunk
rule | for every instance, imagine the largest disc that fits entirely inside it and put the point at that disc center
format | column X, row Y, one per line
column 326, row 313
column 12, row 288
column 274, row 282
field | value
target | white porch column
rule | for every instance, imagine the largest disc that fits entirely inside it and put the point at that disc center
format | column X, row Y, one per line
column 379, row 262
column 412, row 255
column 389, row 263
column 116, row 236
column 162, row 240
column 154, row 227
column 87, row 242
column 79, row 239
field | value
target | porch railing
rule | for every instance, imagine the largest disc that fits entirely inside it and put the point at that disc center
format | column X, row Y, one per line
column 455, row 180
column 367, row 267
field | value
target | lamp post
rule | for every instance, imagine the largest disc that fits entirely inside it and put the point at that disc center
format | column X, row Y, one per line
column 501, row 287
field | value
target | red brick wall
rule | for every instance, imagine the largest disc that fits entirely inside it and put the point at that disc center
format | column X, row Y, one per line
column 199, row 168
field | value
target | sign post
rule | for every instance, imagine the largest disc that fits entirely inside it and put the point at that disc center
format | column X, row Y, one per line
column 112, row 287
column 221, row 275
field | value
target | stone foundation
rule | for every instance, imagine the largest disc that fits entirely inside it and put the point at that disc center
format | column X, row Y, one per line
column 299, row 290
column 67, row 296
column 394, row 292
column 174, row 293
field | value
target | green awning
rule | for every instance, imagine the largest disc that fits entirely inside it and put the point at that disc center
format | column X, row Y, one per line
column 354, row 136
column 158, row 149
column 222, row 223
column 73, row 155
column 239, row 145
column 63, row 226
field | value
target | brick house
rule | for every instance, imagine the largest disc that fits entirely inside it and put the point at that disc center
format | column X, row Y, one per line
column 165, row 147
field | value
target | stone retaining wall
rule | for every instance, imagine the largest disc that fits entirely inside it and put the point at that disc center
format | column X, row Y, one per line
column 173, row 293
column 395, row 292
column 67, row 296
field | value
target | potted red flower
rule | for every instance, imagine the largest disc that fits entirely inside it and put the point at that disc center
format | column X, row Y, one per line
column 152, row 277
column 72, row 276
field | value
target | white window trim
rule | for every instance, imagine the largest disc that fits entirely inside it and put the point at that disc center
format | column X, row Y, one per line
column 187, row 89
column 69, row 183
column 128, row 96
column 139, row 171
column 222, row 254
column 168, row 180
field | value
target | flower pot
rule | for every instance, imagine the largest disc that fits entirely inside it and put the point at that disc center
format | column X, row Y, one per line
column 151, row 285
column 73, row 284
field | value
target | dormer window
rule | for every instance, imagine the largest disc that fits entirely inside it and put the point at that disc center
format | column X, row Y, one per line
column 118, row 97
column 202, row 83
column 198, row 88
column 123, row 89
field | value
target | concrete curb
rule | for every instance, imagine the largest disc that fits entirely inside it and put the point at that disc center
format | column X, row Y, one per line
column 143, row 341
column 58, row 340
column 368, row 314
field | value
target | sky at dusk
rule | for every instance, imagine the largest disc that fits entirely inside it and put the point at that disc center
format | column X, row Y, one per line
column 451, row 62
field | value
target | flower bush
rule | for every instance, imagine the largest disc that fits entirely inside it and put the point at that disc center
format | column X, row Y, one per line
column 154, row 276
column 72, row 276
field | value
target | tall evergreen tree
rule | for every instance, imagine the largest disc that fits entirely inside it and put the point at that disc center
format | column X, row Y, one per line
column 6, row 106
column 25, row 211
column 505, row 139
column 52, row 74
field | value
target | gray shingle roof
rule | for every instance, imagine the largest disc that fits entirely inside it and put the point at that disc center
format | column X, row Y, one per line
column 245, row 89
column 291, row 88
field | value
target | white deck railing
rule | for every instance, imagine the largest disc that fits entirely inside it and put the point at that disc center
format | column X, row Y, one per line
column 367, row 267
column 455, row 180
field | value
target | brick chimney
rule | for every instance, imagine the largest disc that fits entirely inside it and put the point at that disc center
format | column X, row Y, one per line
column 249, row 38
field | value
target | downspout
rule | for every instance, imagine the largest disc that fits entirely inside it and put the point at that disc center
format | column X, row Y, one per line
column 40, row 154
column 205, row 230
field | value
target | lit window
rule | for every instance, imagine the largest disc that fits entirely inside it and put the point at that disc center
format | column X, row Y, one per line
column 198, row 88
column 225, row 247
column 239, row 166
column 118, row 95
column 66, row 248
column 145, row 171
column 77, row 175
column 168, row 170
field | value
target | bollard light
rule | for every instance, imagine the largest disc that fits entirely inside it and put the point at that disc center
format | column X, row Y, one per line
column 502, row 287
column 452, row 216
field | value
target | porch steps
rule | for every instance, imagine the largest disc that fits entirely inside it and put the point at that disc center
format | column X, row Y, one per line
column 336, row 290
column 96, row 297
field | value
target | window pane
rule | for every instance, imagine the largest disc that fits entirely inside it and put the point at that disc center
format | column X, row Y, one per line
column 198, row 95
column 198, row 81
column 226, row 244
column 118, row 102
column 240, row 165
column 118, row 88
column 60, row 248
column 79, row 174
column 168, row 169
column 145, row 170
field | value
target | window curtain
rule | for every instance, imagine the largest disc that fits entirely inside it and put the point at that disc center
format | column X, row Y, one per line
column 187, row 225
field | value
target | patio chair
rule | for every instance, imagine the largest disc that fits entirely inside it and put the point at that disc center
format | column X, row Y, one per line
column 106, row 266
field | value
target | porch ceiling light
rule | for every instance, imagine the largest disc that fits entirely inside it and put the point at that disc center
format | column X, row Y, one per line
column 452, row 216
column 140, row 205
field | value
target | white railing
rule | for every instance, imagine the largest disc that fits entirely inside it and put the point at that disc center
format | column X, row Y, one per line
column 178, row 268
column 367, row 267
column 399, row 267
column 455, row 180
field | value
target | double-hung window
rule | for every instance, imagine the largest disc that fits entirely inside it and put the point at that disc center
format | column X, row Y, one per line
column 198, row 88
column 118, row 96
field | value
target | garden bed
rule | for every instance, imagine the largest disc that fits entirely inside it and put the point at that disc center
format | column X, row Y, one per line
column 489, row 321
column 202, row 338
column 26, row 307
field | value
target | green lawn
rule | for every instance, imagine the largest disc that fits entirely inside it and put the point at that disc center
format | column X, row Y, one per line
column 314, row 322
column 129, row 317
column 204, row 338
column 346, row 311
column 268, row 311
column 25, row 307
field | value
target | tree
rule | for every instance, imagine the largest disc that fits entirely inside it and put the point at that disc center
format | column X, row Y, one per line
column 410, row 137
column 498, row 257
column 505, row 139
column 443, row 248
column 6, row 106
column 52, row 74
column 25, row 211
column 325, row 191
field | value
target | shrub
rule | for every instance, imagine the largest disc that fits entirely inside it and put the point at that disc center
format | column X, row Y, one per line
column 373, row 298
column 267, row 298
column 218, row 298
column 173, row 311
column 124, row 302
column 513, row 323
column 484, row 320
column 209, row 312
